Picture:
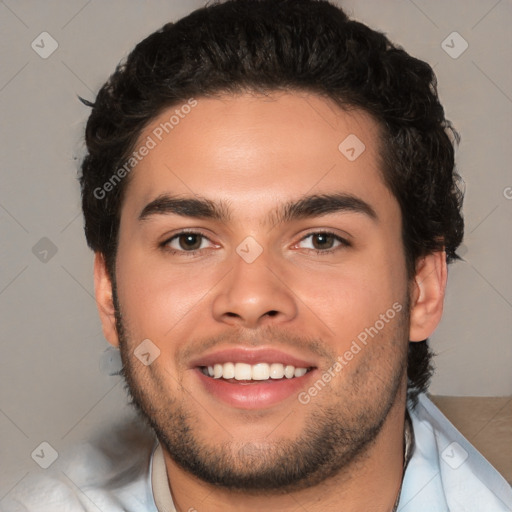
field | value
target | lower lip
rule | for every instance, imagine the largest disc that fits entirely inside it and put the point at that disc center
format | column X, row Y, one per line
column 254, row 394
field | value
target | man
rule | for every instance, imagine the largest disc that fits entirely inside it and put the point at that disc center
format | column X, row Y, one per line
column 271, row 196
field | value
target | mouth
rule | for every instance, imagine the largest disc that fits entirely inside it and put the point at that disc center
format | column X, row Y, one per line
column 253, row 379
column 243, row 372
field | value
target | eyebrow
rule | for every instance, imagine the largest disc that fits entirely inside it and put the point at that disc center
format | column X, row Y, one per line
column 324, row 204
column 198, row 208
column 306, row 207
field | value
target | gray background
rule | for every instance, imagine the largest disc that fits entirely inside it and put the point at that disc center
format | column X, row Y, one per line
column 55, row 364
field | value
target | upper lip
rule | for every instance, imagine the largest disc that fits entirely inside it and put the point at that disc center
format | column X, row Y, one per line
column 251, row 356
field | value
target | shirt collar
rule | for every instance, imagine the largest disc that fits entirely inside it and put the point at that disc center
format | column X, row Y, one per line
column 160, row 483
column 162, row 492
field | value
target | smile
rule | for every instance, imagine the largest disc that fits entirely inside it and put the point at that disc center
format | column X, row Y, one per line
column 253, row 372
column 253, row 378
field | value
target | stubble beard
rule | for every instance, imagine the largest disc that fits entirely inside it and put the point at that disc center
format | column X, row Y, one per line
column 334, row 437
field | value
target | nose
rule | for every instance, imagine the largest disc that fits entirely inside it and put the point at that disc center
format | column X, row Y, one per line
column 254, row 294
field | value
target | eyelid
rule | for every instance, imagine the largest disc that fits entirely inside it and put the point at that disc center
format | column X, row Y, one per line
column 343, row 242
column 185, row 231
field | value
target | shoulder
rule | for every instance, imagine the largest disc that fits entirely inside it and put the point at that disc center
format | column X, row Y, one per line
column 447, row 470
column 43, row 494
column 110, row 473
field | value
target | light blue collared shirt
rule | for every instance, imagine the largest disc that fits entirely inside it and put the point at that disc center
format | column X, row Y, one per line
column 445, row 474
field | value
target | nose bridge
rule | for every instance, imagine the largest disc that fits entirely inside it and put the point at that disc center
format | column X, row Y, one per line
column 253, row 290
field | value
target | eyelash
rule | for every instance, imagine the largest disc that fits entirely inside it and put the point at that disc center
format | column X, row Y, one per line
column 343, row 243
column 165, row 245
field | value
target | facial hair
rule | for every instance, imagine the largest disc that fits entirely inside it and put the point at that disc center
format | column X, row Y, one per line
column 334, row 437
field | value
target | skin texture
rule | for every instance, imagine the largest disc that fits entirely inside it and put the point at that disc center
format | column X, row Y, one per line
column 254, row 153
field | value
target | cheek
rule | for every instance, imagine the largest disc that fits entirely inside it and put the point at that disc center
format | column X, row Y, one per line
column 158, row 300
column 350, row 298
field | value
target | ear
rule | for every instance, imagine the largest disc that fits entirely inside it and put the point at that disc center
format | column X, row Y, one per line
column 427, row 295
column 104, row 300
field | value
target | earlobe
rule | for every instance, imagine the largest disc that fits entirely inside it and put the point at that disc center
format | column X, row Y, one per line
column 104, row 300
column 427, row 295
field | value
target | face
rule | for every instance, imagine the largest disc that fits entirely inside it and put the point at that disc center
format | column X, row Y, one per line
column 264, row 263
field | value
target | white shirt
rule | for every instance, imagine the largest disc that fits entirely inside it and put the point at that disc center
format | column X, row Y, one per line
column 445, row 474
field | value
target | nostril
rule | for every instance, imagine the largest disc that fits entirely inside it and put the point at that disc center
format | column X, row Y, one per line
column 272, row 313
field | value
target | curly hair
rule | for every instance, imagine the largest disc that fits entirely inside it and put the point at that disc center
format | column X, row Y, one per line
column 286, row 45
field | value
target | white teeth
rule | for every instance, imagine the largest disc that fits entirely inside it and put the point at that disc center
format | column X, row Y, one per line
column 276, row 371
column 289, row 371
column 217, row 371
column 243, row 371
column 259, row 371
column 228, row 370
column 299, row 372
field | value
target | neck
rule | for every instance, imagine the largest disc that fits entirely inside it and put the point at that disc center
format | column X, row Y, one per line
column 371, row 482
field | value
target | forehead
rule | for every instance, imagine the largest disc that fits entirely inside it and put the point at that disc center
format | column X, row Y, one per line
column 253, row 151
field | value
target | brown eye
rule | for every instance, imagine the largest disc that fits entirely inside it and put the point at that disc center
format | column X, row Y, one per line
column 187, row 242
column 190, row 241
column 323, row 241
